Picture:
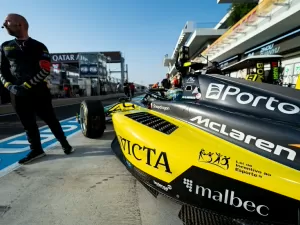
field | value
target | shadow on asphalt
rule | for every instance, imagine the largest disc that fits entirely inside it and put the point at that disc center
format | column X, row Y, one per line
column 82, row 150
column 108, row 135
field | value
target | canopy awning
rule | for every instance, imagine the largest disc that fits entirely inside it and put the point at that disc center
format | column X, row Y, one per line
column 251, row 61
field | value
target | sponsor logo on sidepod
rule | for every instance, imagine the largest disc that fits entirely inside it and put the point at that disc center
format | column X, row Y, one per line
column 215, row 91
column 246, row 138
column 228, row 198
column 161, row 107
column 190, row 80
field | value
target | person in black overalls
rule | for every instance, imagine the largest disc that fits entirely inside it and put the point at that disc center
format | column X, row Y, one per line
column 126, row 88
column 4, row 95
column 166, row 83
column 24, row 65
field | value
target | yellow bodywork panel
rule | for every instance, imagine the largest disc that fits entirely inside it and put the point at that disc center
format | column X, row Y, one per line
column 167, row 156
column 298, row 83
column 254, row 77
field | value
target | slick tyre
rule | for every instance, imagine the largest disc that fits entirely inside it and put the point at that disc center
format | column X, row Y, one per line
column 92, row 118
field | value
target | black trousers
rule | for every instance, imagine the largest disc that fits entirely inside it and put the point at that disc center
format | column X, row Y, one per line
column 37, row 103
column 126, row 92
column 4, row 95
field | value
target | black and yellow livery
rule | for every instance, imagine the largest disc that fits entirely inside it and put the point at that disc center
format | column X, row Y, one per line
column 231, row 154
column 24, row 63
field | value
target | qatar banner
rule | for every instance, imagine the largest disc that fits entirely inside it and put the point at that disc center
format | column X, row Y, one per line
column 75, row 57
column 66, row 57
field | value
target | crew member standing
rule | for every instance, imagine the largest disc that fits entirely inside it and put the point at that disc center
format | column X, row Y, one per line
column 166, row 83
column 4, row 95
column 126, row 88
column 132, row 88
column 24, row 65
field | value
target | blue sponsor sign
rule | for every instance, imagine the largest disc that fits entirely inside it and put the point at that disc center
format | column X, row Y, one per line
column 90, row 70
column 14, row 148
column 84, row 69
column 93, row 69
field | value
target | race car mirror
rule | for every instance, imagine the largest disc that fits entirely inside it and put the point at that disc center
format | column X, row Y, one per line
column 131, row 105
column 184, row 55
column 182, row 58
column 124, row 99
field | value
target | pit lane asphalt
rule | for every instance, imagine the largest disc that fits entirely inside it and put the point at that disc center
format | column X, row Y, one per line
column 10, row 124
column 90, row 186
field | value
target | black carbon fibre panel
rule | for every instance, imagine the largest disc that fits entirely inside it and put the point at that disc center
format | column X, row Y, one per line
column 193, row 216
column 153, row 121
column 144, row 178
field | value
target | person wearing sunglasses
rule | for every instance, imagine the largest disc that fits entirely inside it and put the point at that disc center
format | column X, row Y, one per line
column 24, row 65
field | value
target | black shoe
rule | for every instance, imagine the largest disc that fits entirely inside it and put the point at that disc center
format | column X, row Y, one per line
column 68, row 149
column 32, row 156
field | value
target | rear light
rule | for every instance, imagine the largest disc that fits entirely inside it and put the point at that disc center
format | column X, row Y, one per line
column 150, row 106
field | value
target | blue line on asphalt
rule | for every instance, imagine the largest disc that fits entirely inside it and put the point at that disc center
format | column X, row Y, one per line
column 14, row 148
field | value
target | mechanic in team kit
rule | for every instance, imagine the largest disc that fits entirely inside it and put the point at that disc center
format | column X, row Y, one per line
column 24, row 65
column 166, row 83
column 126, row 88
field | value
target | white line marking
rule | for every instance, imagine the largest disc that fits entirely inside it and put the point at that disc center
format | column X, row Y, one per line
column 16, row 165
column 18, row 135
column 9, row 169
column 19, row 142
column 8, row 114
column 13, row 150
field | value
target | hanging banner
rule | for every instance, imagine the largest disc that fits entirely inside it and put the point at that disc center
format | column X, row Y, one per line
column 88, row 70
column 93, row 69
column 74, row 57
column 260, row 73
column 260, row 70
column 83, row 69
column 89, row 65
column 66, row 57
column 227, row 62
column 275, row 71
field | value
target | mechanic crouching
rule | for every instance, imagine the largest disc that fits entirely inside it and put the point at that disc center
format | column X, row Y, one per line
column 24, row 66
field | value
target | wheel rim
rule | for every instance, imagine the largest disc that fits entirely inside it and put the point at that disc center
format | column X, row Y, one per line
column 82, row 119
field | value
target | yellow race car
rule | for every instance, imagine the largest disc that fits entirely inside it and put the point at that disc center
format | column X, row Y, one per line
column 228, row 151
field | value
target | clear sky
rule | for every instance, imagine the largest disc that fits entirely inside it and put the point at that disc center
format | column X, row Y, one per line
column 144, row 31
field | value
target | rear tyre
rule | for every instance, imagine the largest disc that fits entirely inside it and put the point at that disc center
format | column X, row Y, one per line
column 92, row 118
